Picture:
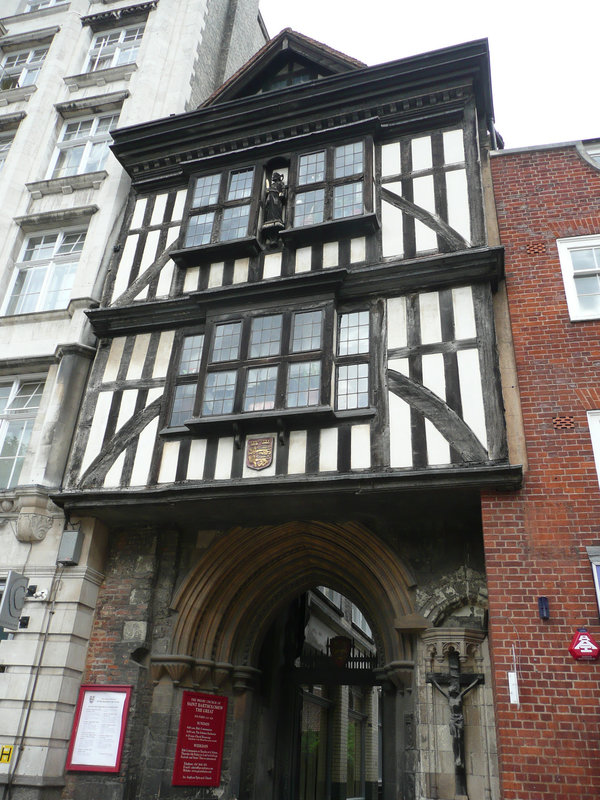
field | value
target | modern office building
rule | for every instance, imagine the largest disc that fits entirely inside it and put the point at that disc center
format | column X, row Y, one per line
column 70, row 72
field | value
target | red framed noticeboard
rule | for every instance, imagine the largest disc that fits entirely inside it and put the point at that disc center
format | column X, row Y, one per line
column 99, row 728
column 199, row 752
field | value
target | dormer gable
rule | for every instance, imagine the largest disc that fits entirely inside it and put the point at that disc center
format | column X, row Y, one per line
column 290, row 58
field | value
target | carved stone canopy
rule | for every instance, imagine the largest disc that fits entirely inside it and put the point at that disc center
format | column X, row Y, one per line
column 440, row 642
column 203, row 673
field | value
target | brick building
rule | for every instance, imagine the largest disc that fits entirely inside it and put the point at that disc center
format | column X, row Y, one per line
column 540, row 541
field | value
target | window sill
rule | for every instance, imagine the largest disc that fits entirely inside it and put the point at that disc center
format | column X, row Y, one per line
column 217, row 251
column 88, row 180
column 328, row 231
column 100, row 77
column 16, row 95
column 252, row 422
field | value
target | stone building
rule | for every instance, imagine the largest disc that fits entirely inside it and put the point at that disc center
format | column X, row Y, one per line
column 299, row 384
column 543, row 541
column 70, row 72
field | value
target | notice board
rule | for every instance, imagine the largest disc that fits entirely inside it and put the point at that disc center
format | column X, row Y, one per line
column 199, row 752
column 99, row 728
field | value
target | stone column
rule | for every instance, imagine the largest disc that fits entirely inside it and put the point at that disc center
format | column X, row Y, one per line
column 339, row 743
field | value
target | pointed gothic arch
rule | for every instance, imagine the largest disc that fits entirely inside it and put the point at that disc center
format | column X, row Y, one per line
column 228, row 600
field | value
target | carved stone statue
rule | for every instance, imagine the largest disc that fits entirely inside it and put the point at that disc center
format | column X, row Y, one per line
column 274, row 206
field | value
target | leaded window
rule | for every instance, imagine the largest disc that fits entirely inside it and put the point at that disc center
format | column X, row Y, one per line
column 352, row 372
column 221, row 207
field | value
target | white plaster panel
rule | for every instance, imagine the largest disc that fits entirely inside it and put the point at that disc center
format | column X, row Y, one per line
column 113, row 476
column 458, row 202
column 424, row 197
column 400, row 432
column 268, row 472
column 168, row 462
column 215, row 276
column 195, row 470
column 272, row 265
column 357, row 250
column 328, row 455
column 143, row 454
column 124, row 270
column 396, row 322
column 163, row 354
column 390, row 159
column 421, row 153
column 303, row 259
column 392, row 224
column 190, row 281
column 464, row 313
column 127, row 407
column 360, row 447
column 150, row 251
column 224, row 458
column 434, row 377
column 297, row 453
column 138, row 213
column 143, row 294
column 429, row 315
column 179, row 205
column 138, row 356
column 172, row 235
column 438, row 449
column 158, row 213
column 241, row 267
column 97, row 429
column 331, row 254
column 163, row 288
column 471, row 394
column 114, row 359
column 454, row 147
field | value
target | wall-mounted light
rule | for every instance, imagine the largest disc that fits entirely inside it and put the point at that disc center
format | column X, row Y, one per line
column 543, row 608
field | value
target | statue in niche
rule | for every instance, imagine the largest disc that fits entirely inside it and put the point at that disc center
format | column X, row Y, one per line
column 274, row 207
column 458, row 686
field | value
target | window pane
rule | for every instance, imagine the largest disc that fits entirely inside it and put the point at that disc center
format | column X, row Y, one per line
column 348, row 159
column 206, row 191
column 235, row 222
column 307, row 331
column 265, row 338
column 260, row 389
column 354, row 333
column 191, row 353
column 59, row 287
column 12, row 452
column 304, row 384
column 71, row 243
column 240, row 184
column 199, row 229
column 219, row 393
column 4, row 395
column 309, row 207
column 26, row 291
column 353, row 386
column 347, row 200
column 28, row 396
column 311, row 168
column 588, row 258
column 226, row 346
column 39, row 247
column 183, row 403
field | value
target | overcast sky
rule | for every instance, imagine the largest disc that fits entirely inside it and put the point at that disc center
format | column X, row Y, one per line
column 544, row 53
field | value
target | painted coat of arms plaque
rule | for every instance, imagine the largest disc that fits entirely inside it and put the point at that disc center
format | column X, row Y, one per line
column 259, row 452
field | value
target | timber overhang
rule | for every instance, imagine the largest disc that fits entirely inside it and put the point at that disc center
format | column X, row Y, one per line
column 392, row 277
column 265, row 500
column 433, row 86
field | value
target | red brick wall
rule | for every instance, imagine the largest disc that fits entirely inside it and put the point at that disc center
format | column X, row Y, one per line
column 535, row 540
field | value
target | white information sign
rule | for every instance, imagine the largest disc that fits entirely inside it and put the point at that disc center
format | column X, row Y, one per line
column 99, row 729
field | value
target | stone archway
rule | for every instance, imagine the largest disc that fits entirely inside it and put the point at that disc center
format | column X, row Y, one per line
column 227, row 601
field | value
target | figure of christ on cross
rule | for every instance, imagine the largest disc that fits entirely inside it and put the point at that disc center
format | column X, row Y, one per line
column 458, row 686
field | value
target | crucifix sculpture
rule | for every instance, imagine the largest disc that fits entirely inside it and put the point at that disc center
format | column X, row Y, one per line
column 458, row 686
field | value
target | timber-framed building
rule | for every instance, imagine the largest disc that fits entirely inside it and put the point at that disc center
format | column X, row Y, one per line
column 298, row 386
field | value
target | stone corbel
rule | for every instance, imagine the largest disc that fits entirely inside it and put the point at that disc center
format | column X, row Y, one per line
column 36, row 514
column 399, row 674
column 245, row 679
column 175, row 666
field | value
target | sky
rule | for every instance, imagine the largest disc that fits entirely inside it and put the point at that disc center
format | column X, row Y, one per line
column 543, row 52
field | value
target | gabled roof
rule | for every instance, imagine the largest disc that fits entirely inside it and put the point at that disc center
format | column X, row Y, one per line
column 288, row 46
